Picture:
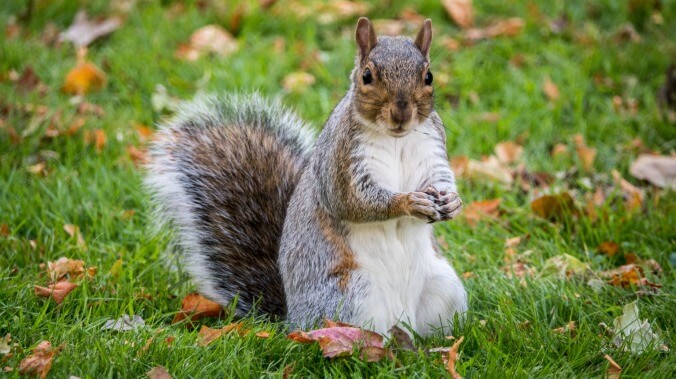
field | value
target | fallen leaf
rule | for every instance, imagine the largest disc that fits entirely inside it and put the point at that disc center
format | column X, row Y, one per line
column 518, row 270
column 468, row 275
column 195, row 307
column 144, row 132
column 402, row 339
column 627, row 275
column 559, row 150
column 5, row 348
column 208, row 335
column 29, row 81
column 563, row 266
column 550, row 89
column 461, row 12
column 508, row 152
column 459, row 164
column 158, row 372
column 74, row 232
column 85, row 77
column 659, row 170
column 584, row 153
column 508, row 28
column 481, row 210
column 554, row 207
column 58, row 291
column 453, row 357
column 208, row 39
column 489, row 169
column 116, row 268
column 298, row 81
column 40, row 362
column 633, row 334
column 4, row 230
column 614, row 370
column 83, row 31
column 63, row 268
column 39, row 168
column 263, row 334
column 85, row 108
column 124, row 323
column 633, row 196
column 568, row 328
column 608, row 248
column 338, row 341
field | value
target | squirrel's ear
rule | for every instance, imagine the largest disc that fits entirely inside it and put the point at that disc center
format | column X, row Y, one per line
column 424, row 39
column 366, row 38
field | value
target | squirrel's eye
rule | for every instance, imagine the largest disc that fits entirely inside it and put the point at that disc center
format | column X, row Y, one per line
column 428, row 78
column 367, row 77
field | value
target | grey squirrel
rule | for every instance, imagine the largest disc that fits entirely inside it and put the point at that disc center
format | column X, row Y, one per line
column 336, row 229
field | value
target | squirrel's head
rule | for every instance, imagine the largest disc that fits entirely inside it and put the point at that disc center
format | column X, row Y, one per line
column 392, row 79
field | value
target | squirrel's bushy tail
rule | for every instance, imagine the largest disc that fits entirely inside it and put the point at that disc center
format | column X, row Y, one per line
column 221, row 173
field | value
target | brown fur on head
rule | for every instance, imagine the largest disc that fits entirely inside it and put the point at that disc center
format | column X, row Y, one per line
column 393, row 90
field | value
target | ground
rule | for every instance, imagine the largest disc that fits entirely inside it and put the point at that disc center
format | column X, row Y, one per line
column 607, row 77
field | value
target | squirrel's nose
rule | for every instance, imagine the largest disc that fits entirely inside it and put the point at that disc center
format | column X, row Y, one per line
column 401, row 112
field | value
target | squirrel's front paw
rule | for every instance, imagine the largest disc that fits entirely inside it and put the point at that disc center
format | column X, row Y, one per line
column 423, row 206
column 448, row 205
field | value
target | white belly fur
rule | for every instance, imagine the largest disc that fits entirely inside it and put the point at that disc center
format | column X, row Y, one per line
column 395, row 256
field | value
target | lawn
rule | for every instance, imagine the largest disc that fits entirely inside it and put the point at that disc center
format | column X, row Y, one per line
column 63, row 163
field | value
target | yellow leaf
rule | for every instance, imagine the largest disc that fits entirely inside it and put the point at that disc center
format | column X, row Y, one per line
column 85, row 77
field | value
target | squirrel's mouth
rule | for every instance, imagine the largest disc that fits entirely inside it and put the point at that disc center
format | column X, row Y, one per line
column 398, row 131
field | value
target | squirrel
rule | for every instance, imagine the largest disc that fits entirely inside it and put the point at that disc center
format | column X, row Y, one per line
column 271, row 220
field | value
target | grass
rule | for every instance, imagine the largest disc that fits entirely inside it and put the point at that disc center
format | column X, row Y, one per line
column 508, row 332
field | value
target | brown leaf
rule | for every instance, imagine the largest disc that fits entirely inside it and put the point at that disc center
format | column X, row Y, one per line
column 518, row 270
column 482, row 210
column 40, row 362
column 263, row 334
column 158, row 372
column 4, row 230
column 208, row 39
column 568, row 328
column 508, row 152
column 195, row 307
column 614, row 370
column 554, row 207
column 453, row 357
column 489, row 169
column 461, row 12
column 57, row 291
column 83, row 31
column 298, row 81
column 337, row 341
column 208, row 335
column 659, row 170
column 74, row 231
column 550, row 89
column 85, row 77
column 626, row 276
column 138, row 156
column 608, row 248
column 65, row 267
column 39, row 168
column 633, row 196
column 559, row 150
column 508, row 28
column 29, row 81
column 584, row 153
column 144, row 132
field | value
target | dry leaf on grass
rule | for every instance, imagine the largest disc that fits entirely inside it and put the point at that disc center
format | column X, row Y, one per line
column 4, row 230
column 263, row 334
column 584, row 153
column 298, row 81
column 208, row 335
column 659, row 170
column 633, row 196
column 614, row 370
column 66, row 268
column 550, row 89
column 338, row 340
column 138, row 156
column 40, row 362
column 74, row 232
column 563, row 266
column 482, row 210
column 508, row 152
column 461, row 12
column 84, row 31
column 608, row 248
column 85, row 77
column 627, row 275
column 5, row 347
column 489, row 169
column 518, row 270
column 57, row 291
column 453, row 357
column 568, row 328
column 507, row 28
column 554, row 207
column 194, row 307
column 159, row 372
column 124, row 323
column 634, row 334
column 208, row 39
